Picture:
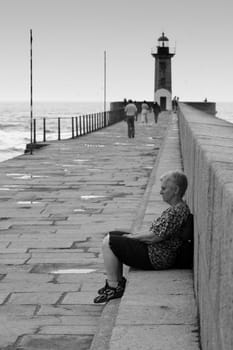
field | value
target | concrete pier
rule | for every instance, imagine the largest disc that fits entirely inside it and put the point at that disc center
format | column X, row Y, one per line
column 56, row 206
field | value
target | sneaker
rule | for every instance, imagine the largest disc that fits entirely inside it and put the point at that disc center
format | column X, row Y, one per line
column 122, row 283
column 109, row 294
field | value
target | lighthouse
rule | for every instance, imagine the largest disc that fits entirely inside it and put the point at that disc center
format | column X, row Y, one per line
column 163, row 73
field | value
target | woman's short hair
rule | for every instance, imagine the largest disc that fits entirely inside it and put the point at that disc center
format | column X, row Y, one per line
column 179, row 178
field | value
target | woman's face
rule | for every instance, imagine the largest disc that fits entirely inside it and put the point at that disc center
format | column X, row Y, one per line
column 169, row 190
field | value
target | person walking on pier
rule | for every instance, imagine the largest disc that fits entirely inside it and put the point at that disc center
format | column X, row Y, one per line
column 131, row 113
column 175, row 104
column 144, row 112
column 156, row 109
column 155, row 249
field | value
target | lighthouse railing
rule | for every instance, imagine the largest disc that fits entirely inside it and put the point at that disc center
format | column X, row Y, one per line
column 171, row 50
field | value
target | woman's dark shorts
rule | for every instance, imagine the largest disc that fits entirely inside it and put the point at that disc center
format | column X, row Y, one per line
column 131, row 252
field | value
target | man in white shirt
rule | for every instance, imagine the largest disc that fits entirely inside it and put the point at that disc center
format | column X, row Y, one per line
column 131, row 113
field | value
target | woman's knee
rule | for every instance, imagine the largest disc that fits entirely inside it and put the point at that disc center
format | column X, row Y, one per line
column 105, row 243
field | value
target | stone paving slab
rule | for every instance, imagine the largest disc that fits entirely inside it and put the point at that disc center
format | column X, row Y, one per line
column 57, row 204
column 82, row 297
column 20, row 287
column 176, row 282
column 18, row 310
column 58, row 342
column 69, row 310
column 3, row 296
column 68, row 329
column 36, row 298
column 63, row 258
column 14, row 258
column 166, row 310
column 151, row 337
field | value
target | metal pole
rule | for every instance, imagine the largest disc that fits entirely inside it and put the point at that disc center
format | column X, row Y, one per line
column 34, row 128
column 105, row 121
column 44, row 129
column 76, row 126
column 59, row 128
column 31, row 103
column 80, row 125
column 83, row 128
column 72, row 124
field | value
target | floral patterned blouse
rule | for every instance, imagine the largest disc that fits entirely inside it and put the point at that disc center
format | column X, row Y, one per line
column 162, row 254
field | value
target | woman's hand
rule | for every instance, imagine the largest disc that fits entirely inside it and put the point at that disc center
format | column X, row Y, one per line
column 137, row 234
column 145, row 236
column 130, row 235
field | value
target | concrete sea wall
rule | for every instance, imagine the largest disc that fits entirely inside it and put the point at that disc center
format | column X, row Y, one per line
column 208, row 107
column 207, row 150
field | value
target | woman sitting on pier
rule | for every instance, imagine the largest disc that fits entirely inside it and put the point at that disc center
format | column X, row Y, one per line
column 154, row 249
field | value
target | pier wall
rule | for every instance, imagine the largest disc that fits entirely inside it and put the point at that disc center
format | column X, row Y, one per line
column 208, row 107
column 207, row 151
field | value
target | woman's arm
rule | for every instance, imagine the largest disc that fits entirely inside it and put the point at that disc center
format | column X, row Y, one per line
column 145, row 236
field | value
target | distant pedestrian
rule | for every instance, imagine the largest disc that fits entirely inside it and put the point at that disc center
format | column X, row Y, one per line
column 156, row 109
column 174, row 104
column 131, row 113
column 136, row 117
column 144, row 112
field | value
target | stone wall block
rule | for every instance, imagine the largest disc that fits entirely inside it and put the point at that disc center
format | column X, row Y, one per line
column 226, row 287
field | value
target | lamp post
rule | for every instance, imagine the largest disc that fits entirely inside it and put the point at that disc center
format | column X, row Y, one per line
column 105, row 117
column 31, row 102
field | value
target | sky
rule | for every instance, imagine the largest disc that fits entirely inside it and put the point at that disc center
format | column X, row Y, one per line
column 71, row 36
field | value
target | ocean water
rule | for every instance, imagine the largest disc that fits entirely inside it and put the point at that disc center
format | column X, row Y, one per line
column 225, row 111
column 15, row 121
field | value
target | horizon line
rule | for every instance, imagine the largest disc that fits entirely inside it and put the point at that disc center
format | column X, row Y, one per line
column 97, row 101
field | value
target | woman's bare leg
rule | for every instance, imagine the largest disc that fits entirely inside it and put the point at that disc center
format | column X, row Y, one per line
column 114, row 269
column 112, row 265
